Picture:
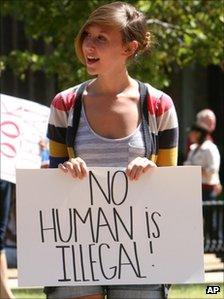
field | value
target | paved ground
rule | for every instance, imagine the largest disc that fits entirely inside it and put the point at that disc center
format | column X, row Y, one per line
column 214, row 268
column 214, row 271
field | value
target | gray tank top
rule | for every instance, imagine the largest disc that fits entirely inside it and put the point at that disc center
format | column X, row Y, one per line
column 98, row 151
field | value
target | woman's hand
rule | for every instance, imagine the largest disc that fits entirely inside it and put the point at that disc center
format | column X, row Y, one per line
column 76, row 167
column 138, row 166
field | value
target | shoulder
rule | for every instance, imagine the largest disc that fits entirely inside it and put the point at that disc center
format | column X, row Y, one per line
column 65, row 99
column 210, row 146
column 193, row 146
column 158, row 101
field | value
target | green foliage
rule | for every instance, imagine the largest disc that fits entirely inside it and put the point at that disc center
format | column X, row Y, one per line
column 186, row 32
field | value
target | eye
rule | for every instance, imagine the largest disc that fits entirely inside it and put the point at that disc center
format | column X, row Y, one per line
column 86, row 34
column 102, row 38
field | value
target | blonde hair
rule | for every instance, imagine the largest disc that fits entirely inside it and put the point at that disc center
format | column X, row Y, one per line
column 122, row 16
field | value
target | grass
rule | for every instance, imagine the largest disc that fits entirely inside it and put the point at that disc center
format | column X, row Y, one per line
column 193, row 291
column 29, row 293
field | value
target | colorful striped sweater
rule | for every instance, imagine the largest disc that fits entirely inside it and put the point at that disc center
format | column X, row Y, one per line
column 162, row 122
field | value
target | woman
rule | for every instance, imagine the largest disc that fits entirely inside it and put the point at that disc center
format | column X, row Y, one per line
column 204, row 152
column 110, row 127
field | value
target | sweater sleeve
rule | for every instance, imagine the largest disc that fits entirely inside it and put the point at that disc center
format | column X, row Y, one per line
column 167, row 125
column 57, row 128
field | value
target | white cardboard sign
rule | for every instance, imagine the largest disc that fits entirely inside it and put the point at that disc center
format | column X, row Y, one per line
column 106, row 229
column 23, row 124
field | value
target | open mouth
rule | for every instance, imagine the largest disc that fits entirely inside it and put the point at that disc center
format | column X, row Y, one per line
column 92, row 59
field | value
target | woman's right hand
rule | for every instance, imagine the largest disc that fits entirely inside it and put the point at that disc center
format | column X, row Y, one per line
column 76, row 167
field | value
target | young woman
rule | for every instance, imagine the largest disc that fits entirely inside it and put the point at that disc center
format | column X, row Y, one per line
column 112, row 128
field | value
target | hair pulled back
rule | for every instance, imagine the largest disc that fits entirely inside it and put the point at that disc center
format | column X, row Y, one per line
column 122, row 16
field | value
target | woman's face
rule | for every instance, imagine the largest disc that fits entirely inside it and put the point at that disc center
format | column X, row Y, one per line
column 103, row 50
column 194, row 136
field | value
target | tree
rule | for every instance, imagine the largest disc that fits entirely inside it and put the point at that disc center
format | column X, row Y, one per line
column 186, row 32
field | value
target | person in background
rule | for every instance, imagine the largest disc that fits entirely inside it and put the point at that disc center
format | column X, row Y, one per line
column 112, row 125
column 205, row 153
column 44, row 153
column 5, row 201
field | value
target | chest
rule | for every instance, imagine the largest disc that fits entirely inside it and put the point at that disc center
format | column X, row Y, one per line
column 113, row 118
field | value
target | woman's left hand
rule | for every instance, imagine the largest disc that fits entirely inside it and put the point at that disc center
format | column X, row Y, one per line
column 138, row 166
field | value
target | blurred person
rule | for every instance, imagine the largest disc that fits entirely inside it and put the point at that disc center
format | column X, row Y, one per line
column 5, row 202
column 205, row 153
column 44, row 152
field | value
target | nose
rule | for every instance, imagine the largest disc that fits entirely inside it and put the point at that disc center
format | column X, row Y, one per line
column 89, row 42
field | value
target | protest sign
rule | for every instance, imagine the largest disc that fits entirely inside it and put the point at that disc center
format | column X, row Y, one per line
column 107, row 229
column 23, row 124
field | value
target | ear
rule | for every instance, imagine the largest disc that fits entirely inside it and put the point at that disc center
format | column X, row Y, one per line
column 130, row 48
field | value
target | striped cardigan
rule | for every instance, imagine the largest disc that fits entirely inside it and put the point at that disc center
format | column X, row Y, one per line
column 162, row 122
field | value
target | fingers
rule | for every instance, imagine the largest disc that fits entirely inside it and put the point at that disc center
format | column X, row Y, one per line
column 73, row 168
column 62, row 167
column 76, row 167
column 134, row 171
column 139, row 166
column 83, row 168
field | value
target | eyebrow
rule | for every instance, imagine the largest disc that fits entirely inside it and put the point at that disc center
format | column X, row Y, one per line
column 101, row 31
column 104, row 32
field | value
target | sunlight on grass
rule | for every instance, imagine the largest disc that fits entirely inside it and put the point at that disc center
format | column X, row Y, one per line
column 195, row 291
column 29, row 293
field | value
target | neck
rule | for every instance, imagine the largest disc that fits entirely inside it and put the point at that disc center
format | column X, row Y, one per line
column 105, row 84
